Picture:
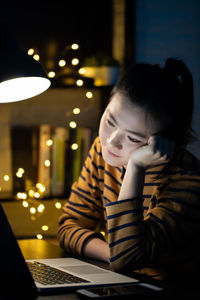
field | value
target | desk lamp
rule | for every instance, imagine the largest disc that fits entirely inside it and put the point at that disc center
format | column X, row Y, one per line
column 21, row 76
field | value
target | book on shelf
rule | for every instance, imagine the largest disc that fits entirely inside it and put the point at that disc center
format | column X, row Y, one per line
column 44, row 159
column 60, row 136
column 56, row 166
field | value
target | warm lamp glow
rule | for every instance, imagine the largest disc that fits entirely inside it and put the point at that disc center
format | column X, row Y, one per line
column 22, row 88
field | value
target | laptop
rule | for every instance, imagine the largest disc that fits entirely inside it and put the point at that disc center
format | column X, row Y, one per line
column 20, row 279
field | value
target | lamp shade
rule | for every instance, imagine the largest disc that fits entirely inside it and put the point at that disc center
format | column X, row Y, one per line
column 21, row 76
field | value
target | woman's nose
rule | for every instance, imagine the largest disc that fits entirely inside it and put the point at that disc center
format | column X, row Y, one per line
column 115, row 140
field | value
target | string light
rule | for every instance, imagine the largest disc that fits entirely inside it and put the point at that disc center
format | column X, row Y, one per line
column 74, row 46
column 75, row 61
column 82, row 71
column 21, row 196
column 25, row 204
column 37, row 195
column 31, row 193
column 47, row 163
column 30, row 51
column 6, row 178
column 19, row 174
column 79, row 82
column 103, row 233
column 51, row 74
column 41, row 208
column 45, row 227
column 49, row 142
column 74, row 146
column 39, row 236
column 72, row 124
column 76, row 111
column 58, row 205
column 36, row 57
column 89, row 95
column 32, row 210
column 62, row 63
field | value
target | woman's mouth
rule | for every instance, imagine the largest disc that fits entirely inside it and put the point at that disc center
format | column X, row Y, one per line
column 112, row 154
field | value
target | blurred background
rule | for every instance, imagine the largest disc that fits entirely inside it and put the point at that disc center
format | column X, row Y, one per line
column 83, row 47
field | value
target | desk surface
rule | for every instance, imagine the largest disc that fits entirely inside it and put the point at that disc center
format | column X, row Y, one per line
column 35, row 249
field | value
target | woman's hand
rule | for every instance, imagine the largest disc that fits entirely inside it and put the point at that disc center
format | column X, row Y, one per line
column 159, row 150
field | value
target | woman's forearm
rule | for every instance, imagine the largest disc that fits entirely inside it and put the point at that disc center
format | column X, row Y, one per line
column 133, row 183
column 96, row 248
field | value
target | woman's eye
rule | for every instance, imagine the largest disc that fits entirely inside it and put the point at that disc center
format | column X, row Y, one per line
column 110, row 123
column 133, row 140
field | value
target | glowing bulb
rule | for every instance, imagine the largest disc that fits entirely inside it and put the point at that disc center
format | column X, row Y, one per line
column 79, row 82
column 51, row 74
column 19, row 195
column 72, row 124
column 23, row 196
column 21, row 170
column 103, row 233
column 32, row 210
column 74, row 146
column 40, row 208
column 74, row 46
column 37, row 195
column 38, row 185
column 25, row 204
column 42, row 189
column 75, row 61
column 62, row 63
column 76, row 111
column 30, row 51
column 82, row 71
column 49, row 142
column 47, row 163
column 6, row 177
column 58, row 205
column 89, row 95
column 36, row 57
column 45, row 227
column 19, row 174
column 39, row 236
column 31, row 193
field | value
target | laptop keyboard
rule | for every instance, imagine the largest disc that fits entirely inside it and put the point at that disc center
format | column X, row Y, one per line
column 46, row 275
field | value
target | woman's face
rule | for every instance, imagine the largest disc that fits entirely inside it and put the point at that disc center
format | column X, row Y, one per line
column 124, row 127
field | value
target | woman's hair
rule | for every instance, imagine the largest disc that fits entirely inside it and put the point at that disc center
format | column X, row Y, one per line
column 166, row 94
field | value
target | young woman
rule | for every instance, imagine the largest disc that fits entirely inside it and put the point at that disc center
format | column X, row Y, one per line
column 139, row 180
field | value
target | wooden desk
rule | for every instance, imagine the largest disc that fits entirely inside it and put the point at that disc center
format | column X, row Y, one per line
column 35, row 249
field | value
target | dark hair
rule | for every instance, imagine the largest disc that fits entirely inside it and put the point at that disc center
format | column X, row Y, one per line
column 165, row 93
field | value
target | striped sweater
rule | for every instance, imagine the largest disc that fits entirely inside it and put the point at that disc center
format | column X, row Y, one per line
column 158, row 235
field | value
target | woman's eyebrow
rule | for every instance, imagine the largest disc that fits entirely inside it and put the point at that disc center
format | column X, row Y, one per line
column 130, row 131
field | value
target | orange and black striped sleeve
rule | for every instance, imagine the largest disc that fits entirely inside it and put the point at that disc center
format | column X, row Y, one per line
column 83, row 210
column 164, row 234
